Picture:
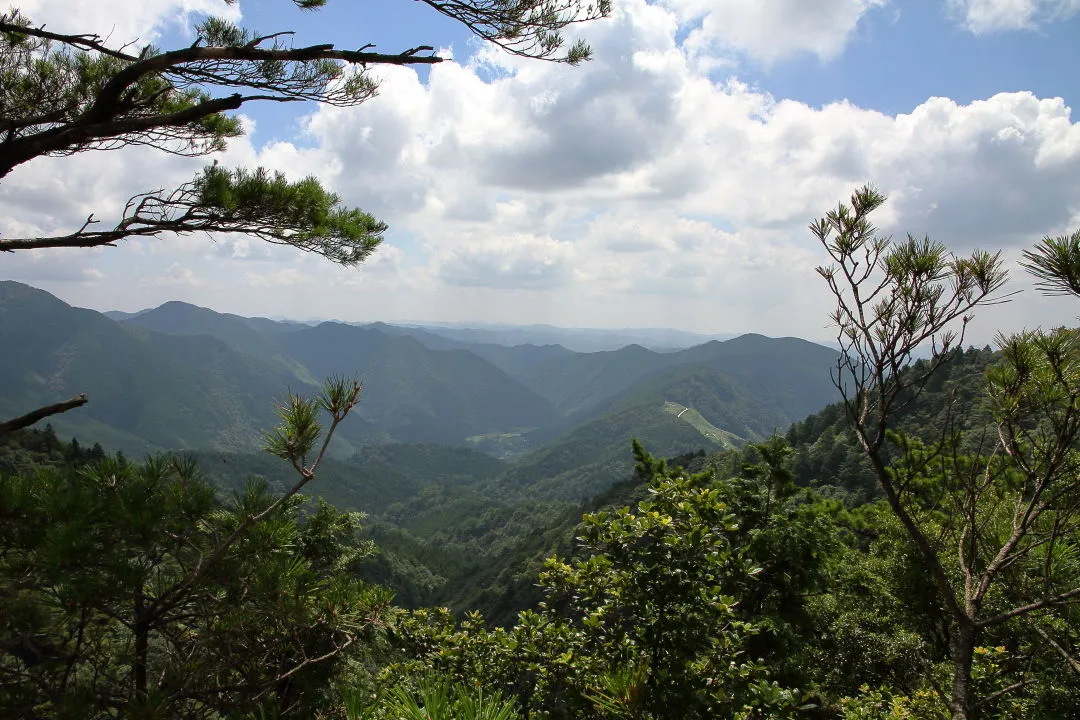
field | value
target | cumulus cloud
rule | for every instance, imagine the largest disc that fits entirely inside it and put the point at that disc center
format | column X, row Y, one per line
column 176, row 276
column 275, row 279
column 525, row 262
column 721, row 149
column 772, row 31
column 990, row 16
column 636, row 189
column 459, row 157
column 50, row 266
column 122, row 21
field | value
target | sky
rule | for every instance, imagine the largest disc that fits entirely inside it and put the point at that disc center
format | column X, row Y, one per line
column 668, row 182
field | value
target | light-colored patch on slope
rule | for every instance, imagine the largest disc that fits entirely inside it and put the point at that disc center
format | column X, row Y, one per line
column 299, row 371
column 693, row 418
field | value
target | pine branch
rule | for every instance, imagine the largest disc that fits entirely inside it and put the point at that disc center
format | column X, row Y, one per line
column 84, row 42
column 299, row 214
column 119, row 116
column 110, row 94
column 339, row 397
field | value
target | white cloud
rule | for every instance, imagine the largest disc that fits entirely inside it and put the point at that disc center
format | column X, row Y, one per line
column 536, row 172
column 122, row 21
column 176, row 277
column 634, row 190
column 514, row 262
column 772, row 31
column 990, row 16
column 275, row 279
column 51, row 266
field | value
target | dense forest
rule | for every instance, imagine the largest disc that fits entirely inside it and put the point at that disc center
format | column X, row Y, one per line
column 225, row 521
column 766, row 581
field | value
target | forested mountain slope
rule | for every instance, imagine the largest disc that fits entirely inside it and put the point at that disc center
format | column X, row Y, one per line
column 826, row 454
column 790, row 374
column 210, row 380
column 244, row 335
column 517, row 361
column 195, row 378
column 594, row 455
column 455, row 523
column 147, row 390
column 413, row 394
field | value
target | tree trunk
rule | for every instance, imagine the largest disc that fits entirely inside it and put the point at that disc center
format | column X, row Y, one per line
column 962, row 703
column 142, row 636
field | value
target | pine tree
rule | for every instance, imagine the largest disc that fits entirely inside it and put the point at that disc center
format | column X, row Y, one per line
column 996, row 528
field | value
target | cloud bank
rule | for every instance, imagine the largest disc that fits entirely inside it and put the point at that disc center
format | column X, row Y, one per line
column 638, row 189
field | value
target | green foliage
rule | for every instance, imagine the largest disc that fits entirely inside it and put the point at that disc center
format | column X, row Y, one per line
column 301, row 214
column 1055, row 263
column 645, row 623
column 980, row 512
column 827, row 454
column 44, row 83
column 295, row 438
column 116, row 598
column 436, row 699
column 883, row 704
column 657, row 589
column 26, row 450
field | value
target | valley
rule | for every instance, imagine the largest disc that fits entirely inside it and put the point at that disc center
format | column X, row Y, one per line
column 206, row 381
column 463, row 454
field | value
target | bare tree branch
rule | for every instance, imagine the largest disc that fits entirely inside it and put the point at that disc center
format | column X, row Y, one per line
column 87, row 41
column 24, row 421
column 1070, row 596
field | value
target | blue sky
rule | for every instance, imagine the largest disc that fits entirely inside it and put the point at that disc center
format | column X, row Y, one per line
column 667, row 182
column 902, row 56
column 898, row 57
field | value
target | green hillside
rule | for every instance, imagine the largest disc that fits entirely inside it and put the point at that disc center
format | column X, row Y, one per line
column 707, row 429
column 179, row 318
column 180, row 376
column 146, row 389
column 787, row 375
column 414, row 394
column 517, row 361
column 595, row 454
column 792, row 373
column 578, row 383
column 826, row 453
column 825, row 457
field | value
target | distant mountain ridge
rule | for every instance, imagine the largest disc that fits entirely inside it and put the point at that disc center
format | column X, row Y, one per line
column 584, row 340
column 442, row 336
column 182, row 376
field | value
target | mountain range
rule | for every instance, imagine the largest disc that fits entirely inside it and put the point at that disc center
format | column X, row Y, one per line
column 185, row 377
